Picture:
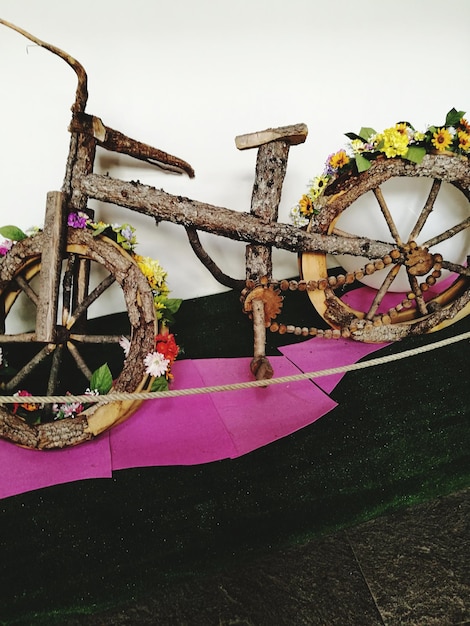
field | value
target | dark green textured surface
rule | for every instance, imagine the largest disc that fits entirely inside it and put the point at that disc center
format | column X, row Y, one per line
column 399, row 436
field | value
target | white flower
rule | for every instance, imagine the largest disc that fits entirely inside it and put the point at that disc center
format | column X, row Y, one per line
column 1, row 356
column 156, row 364
column 125, row 344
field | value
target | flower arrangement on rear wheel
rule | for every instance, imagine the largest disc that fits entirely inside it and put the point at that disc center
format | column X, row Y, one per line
column 399, row 141
column 157, row 358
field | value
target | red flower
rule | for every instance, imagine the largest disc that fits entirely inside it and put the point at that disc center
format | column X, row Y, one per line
column 27, row 406
column 166, row 345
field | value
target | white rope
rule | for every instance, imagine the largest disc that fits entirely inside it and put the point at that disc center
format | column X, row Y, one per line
column 173, row 393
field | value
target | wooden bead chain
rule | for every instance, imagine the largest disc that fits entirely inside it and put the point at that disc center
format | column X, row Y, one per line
column 339, row 281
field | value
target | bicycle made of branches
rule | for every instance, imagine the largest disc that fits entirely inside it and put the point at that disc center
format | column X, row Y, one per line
column 52, row 269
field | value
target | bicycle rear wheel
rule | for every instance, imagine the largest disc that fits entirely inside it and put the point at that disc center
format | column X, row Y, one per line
column 420, row 254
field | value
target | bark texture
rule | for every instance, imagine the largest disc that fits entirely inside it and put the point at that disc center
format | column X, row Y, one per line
column 221, row 221
column 349, row 187
column 140, row 309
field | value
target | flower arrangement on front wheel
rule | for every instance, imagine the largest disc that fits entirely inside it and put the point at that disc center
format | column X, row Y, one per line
column 138, row 360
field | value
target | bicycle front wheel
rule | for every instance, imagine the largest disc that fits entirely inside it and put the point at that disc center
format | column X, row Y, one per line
column 92, row 267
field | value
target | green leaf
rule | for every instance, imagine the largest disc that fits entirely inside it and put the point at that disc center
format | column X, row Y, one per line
column 159, row 384
column 100, row 229
column 415, row 154
column 13, row 233
column 366, row 133
column 173, row 304
column 454, row 117
column 101, row 380
column 362, row 163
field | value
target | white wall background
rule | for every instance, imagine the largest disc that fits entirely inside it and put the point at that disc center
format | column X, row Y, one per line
column 187, row 76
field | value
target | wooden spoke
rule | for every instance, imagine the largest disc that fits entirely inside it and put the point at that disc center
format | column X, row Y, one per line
column 457, row 269
column 88, row 301
column 82, row 283
column 387, row 215
column 423, row 309
column 77, row 357
column 52, row 383
column 28, row 290
column 451, row 232
column 104, row 339
column 14, row 382
column 379, row 296
column 67, row 286
column 19, row 338
column 428, row 207
column 343, row 233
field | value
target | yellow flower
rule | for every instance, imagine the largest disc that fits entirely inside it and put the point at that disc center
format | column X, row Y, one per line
column 338, row 160
column 464, row 140
column 358, row 146
column 306, row 205
column 153, row 272
column 394, row 141
column 441, row 139
column 318, row 186
column 402, row 128
column 418, row 136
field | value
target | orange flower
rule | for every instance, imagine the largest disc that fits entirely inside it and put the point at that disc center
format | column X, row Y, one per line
column 306, row 205
column 26, row 406
column 464, row 125
column 338, row 160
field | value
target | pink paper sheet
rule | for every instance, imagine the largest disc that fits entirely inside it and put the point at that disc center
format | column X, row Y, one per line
column 256, row 417
column 173, row 431
column 24, row 470
column 202, row 428
column 321, row 354
column 198, row 428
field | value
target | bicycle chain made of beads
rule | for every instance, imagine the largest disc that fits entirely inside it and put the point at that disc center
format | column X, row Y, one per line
column 338, row 282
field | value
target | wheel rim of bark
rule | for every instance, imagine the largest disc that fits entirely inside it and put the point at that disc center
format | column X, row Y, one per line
column 432, row 314
column 23, row 265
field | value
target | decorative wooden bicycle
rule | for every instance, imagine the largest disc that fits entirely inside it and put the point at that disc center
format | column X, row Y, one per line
column 52, row 269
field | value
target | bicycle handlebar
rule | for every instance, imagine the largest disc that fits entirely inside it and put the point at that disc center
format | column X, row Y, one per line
column 81, row 93
column 106, row 137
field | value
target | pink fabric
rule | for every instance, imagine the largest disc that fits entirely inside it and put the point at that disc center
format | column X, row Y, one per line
column 256, row 417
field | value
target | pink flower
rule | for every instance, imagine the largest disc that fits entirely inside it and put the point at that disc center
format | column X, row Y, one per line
column 5, row 247
column 77, row 220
